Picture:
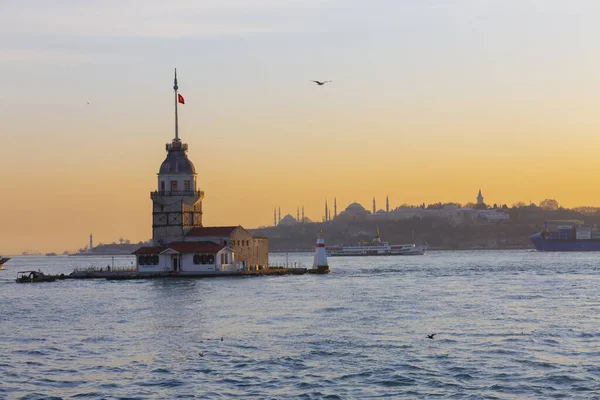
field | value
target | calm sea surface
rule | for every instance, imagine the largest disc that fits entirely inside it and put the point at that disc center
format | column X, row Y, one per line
column 509, row 324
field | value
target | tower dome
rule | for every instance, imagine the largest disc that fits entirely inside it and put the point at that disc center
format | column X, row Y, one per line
column 177, row 161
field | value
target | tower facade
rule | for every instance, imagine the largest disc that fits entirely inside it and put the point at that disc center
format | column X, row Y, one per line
column 479, row 198
column 177, row 203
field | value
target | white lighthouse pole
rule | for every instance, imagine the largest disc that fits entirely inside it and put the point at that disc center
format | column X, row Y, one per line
column 320, row 260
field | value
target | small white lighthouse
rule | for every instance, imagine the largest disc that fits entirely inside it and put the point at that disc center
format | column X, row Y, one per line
column 320, row 260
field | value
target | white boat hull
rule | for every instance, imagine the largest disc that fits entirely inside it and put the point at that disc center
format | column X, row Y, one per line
column 368, row 251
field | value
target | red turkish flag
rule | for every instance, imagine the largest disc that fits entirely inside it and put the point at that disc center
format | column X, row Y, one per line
column 180, row 98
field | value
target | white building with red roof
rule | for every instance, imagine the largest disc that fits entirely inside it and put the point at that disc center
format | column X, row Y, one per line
column 186, row 258
column 180, row 243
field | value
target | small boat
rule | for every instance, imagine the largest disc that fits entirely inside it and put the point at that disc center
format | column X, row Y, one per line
column 34, row 276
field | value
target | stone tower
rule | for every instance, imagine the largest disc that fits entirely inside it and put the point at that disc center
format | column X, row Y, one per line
column 177, row 204
column 479, row 198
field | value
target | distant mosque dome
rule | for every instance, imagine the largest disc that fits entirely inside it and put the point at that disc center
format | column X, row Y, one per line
column 355, row 207
column 177, row 162
column 380, row 211
column 354, row 210
column 288, row 220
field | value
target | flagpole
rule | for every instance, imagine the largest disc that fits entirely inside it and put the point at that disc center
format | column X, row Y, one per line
column 175, row 87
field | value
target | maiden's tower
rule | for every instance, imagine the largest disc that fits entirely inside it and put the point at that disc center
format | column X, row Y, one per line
column 181, row 244
column 177, row 204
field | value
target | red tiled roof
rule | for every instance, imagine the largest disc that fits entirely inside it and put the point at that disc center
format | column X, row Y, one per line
column 149, row 250
column 212, row 231
column 183, row 247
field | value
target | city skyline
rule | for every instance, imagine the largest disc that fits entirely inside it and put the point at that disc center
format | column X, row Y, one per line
column 279, row 216
column 429, row 101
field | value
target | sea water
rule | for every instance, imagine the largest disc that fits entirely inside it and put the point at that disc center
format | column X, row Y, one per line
column 508, row 325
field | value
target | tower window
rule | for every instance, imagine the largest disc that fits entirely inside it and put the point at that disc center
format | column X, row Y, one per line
column 162, row 185
column 173, row 185
column 186, row 186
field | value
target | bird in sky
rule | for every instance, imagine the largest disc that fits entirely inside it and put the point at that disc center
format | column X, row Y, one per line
column 431, row 336
column 320, row 83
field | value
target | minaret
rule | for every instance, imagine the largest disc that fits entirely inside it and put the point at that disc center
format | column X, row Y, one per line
column 279, row 219
column 334, row 207
column 91, row 243
column 298, row 214
column 326, row 212
column 387, row 204
column 302, row 214
column 177, row 204
column 274, row 216
column 479, row 198
column 374, row 206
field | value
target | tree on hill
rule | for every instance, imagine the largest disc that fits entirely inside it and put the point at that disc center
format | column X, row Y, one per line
column 549, row 205
column 587, row 209
column 406, row 205
column 435, row 206
column 457, row 205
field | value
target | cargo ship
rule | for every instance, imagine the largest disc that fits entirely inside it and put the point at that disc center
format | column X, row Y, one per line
column 377, row 247
column 567, row 236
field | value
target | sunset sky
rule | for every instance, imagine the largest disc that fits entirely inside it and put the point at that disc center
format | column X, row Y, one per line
column 430, row 101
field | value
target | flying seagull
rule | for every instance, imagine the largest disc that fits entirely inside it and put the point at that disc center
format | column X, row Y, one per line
column 431, row 336
column 320, row 83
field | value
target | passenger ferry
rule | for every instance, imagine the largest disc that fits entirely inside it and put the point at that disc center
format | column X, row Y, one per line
column 376, row 248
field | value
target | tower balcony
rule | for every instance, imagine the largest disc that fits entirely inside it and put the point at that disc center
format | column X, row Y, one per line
column 182, row 193
column 176, row 145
